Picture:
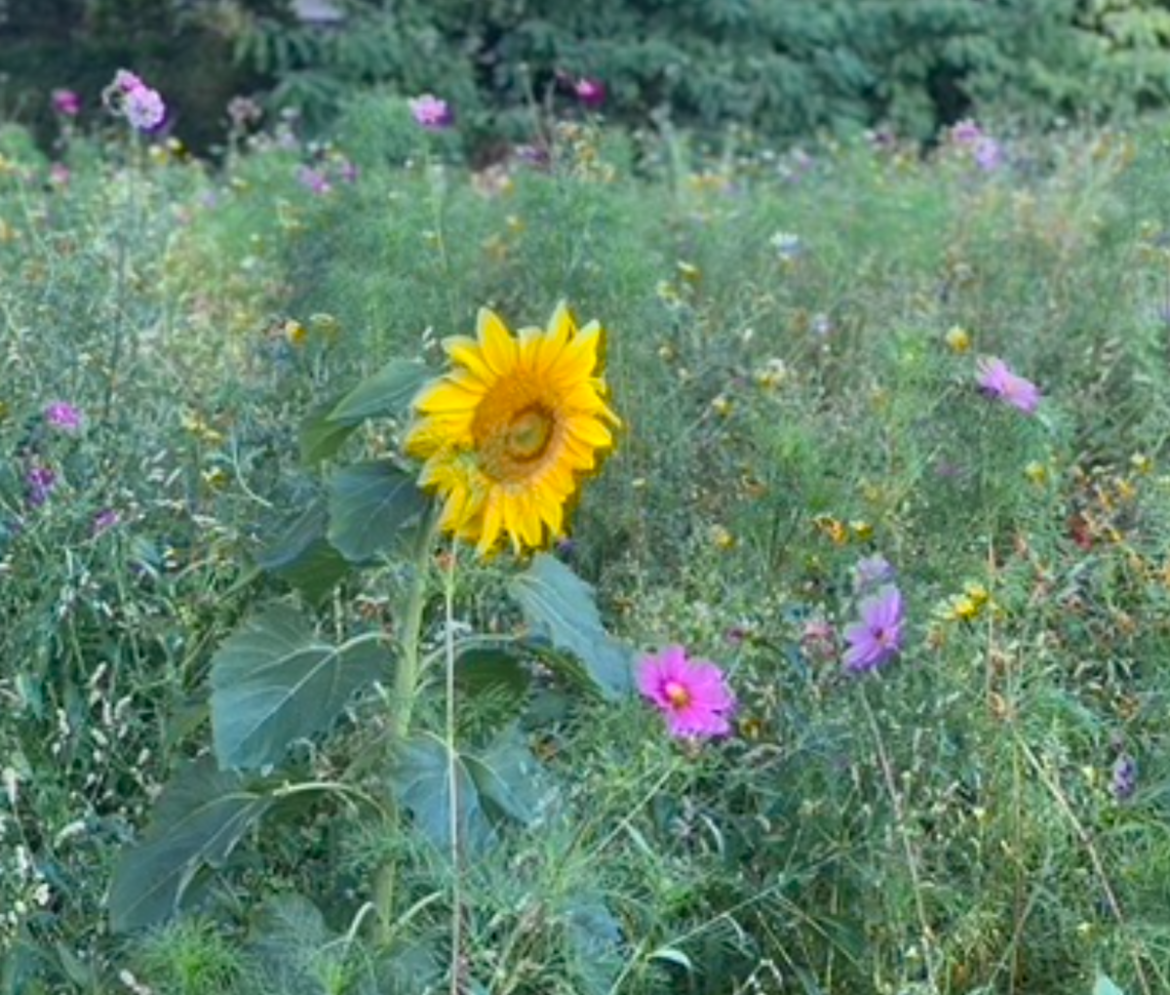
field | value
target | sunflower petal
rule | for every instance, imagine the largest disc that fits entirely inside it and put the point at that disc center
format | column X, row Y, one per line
column 468, row 353
column 498, row 346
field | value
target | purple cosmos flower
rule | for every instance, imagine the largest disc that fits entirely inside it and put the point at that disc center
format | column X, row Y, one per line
column 107, row 518
column 59, row 174
column 1124, row 782
column 692, row 695
column 41, row 481
column 966, row 133
column 431, row 112
column 314, row 180
column 591, row 92
column 61, row 414
column 871, row 573
column 877, row 638
column 996, row 379
column 66, row 103
column 988, row 154
column 132, row 99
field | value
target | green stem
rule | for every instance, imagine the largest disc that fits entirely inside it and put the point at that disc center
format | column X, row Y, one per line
column 406, row 677
column 453, row 779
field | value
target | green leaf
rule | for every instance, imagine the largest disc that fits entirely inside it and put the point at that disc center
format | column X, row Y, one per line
column 319, row 437
column 508, row 779
column 501, row 782
column 303, row 557
column 594, row 938
column 562, row 614
column 492, row 687
column 292, row 946
column 387, row 394
column 1104, row 985
column 421, row 781
column 274, row 682
column 373, row 506
column 198, row 821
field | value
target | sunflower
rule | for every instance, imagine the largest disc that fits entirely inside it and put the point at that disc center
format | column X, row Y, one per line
column 507, row 435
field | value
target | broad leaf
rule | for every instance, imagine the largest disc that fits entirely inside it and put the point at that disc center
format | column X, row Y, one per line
column 198, row 821
column 421, row 781
column 561, row 611
column 387, row 394
column 508, row 779
column 372, row 507
column 293, row 947
column 319, row 437
column 303, row 557
column 492, row 687
column 594, row 938
column 274, row 682
column 498, row 783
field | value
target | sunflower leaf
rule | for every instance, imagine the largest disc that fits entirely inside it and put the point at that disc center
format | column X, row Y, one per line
column 199, row 819
column 319, row 437
column 274, row 682
column 303, row 556
column 562, row 614
column 387, row 394
column 372, row 507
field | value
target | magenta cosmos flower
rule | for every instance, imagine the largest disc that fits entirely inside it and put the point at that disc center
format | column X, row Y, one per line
column 63, row 415
column 692, row 695
column 431, row 112
column 131, row 98
column 877, row 637
column 591, row 92
column 996, row 379
column 66, row 103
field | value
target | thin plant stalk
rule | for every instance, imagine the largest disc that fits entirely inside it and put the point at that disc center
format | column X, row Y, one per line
column 453, row 775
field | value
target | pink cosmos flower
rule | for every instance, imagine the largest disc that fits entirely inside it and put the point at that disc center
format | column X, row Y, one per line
column 63, row 415
column 966, row 132
column 431, row 112
column 40, row 480
column 591, row 92
column 314, row 180
column 877, row 638
column 996, row 379
column 107, row 518
column 692, row 695
column 66, row 103
column 132, row 99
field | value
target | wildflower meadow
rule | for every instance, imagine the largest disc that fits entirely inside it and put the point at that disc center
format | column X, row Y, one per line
column 630, row 562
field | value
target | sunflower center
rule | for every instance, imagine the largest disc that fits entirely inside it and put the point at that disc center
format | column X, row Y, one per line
column 529, row 434
column 676, row 694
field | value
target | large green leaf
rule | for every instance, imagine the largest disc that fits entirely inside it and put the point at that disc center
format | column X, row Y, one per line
column 303, row 556
column 508, row 778
column 496, row 784
column 320, row 437
column 563, row 616
column 594, row 940
column 387, row 394
column 274, row 682
column 421, row 781
column 372, row 507
column 198, row 821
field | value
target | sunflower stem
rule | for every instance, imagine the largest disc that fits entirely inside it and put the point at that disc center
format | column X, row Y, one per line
column 405, row 690
column 456, row 968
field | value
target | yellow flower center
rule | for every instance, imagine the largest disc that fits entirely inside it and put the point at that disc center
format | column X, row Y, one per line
column 676, row 694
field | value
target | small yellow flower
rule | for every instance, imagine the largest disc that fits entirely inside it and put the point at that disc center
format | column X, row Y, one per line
column 832, row 528
column 296, row 333
column 1037, row 472
column 216, row 478
column 1141, row 463
column 957, row 339
column 689, row 271
column 721, row 537
column 721, row 405
column 862, row 531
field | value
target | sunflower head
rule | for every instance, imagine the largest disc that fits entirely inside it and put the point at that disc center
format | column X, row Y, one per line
column 508, row 434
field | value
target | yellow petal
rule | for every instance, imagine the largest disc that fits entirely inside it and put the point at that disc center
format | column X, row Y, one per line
column 467, row 352
column 498, row 346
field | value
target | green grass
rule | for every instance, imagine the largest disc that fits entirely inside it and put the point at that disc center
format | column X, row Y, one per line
column 946, row 826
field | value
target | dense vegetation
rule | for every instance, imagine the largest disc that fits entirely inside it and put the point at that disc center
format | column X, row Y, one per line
column 857, row 382
column 783, row 69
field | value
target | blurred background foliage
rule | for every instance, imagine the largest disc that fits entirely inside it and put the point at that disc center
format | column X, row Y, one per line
column 784, row 68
